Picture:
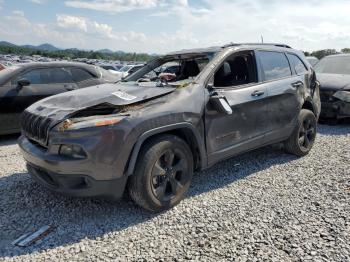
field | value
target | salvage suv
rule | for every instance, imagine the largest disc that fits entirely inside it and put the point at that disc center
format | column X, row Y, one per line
column 151, row 131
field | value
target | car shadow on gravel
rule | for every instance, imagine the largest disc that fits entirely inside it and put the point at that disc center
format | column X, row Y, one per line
column 25, row 206
column 341, row 127
column 7, row 140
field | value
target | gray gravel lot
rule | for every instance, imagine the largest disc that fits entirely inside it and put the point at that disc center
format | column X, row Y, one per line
column 264, row 205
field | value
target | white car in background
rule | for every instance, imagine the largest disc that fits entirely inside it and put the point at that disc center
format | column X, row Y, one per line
column 114, row 69
column 128, row 69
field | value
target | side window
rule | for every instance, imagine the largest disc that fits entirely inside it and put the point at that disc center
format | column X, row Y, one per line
column 80, row 75
column 44, row 76
column 274, row 65
column 32, row 76
column 58, row 76
column 297, row 64
column 236, row 70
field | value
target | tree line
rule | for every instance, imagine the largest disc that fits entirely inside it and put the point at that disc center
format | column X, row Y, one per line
column 75, row 53
column 325, row 52
column 121, row 56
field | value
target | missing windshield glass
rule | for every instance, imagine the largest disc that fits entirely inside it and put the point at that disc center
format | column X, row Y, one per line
column 172, row 69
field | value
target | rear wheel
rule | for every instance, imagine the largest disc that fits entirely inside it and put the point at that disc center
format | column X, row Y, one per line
column 304, row 134
column 163, row 173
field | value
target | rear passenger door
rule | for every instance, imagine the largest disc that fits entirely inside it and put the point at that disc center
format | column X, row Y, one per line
column 83, row 78
column 282, row 91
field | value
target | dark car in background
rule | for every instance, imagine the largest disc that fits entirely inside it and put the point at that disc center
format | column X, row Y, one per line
column 25, row 84
column 333, row 73
column 148, row 135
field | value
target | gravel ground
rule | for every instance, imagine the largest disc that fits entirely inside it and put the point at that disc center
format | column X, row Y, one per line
column 264, row 205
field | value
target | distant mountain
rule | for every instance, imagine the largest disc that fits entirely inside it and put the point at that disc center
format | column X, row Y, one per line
column 4, row 43
column 105, row 51
column 29, row 46
column 52, row 51
column 48, row 47
column 44, row 47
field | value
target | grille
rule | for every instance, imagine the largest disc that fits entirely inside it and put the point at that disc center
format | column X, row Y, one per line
column 326, row 96
column 36, row 127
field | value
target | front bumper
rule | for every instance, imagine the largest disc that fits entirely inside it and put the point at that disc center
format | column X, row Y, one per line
column 76, row 177
column 337, row 109
column 78, row 185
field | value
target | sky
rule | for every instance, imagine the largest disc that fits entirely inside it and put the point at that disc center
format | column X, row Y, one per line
column 160, row 26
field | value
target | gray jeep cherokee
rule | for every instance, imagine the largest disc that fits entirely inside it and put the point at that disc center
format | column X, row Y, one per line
column 149, row 132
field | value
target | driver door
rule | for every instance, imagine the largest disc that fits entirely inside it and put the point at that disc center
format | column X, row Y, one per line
column 236, row 79
column 43, row 82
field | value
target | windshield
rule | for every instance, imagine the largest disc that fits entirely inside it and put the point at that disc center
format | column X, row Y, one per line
column 172, row 68
column 125, row 69
column 334, row 65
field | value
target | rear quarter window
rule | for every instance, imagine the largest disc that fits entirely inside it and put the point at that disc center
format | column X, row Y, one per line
column 274, row 65
column 80, row 75
column 297, row 64
column 56, row 76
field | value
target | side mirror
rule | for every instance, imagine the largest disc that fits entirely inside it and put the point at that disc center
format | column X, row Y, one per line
column 23, row 82
column 220, row 104
column 210, row 87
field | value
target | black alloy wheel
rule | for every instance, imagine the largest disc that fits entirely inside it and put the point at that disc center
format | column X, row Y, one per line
column 307, row 134
column 169, row 175
column 163, row 173
column 303, row 135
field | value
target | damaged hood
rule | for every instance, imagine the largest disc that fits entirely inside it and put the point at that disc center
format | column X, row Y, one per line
column 118, row 94
column 334, row 82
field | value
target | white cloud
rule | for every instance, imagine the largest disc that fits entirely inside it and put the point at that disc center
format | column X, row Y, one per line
column 180, row 24
column 305, row 25
column 113, row 6
column 37, row 1
column 183, row 3
column 72, row 22
column 95, row 29
column 69, row 31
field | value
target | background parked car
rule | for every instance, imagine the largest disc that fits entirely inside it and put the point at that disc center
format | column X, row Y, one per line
column 114, row 69
column 22, row 85
column 128, row 70
column 312, row 60
column 333, row 72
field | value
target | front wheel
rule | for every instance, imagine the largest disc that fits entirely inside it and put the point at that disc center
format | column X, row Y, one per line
column 303, row 137
column 163, row 173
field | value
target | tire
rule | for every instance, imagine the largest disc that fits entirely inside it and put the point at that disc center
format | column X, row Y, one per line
column 303, row 137
column 163, row 173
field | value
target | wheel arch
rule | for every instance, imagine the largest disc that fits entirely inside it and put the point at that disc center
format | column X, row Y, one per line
column 185, row 131
column 309, row 105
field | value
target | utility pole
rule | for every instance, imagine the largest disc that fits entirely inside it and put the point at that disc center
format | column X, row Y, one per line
column 262, row 39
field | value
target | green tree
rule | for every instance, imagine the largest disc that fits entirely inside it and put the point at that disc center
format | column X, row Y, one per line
column 345, row 50
column 325, row 52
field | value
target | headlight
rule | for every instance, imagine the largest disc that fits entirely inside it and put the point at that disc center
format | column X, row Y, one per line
column 80, row 123
column 73, row 151
column 343, row 95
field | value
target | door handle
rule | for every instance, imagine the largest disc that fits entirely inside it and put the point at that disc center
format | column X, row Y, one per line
column 258, row 93
column 69, row 87
column 297, row 84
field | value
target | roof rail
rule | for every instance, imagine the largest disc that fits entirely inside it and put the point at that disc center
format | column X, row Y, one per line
column 264, row 44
